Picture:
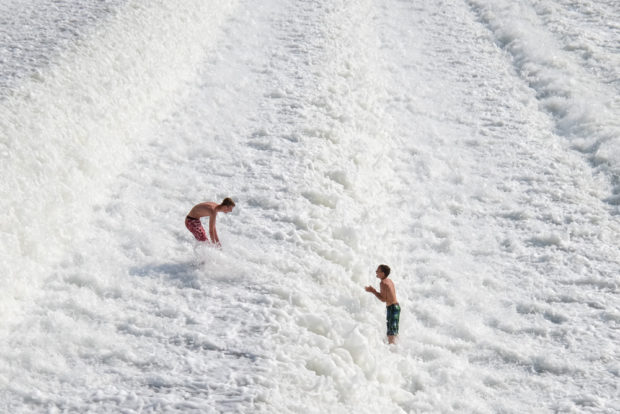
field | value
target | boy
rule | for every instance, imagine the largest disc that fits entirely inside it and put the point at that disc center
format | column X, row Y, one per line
column 210, row 209
column 387, row 294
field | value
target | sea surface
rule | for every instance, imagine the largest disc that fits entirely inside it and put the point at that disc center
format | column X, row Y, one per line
column 471, row 145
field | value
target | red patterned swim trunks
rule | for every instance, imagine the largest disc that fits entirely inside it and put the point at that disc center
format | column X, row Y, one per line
column 195, row 227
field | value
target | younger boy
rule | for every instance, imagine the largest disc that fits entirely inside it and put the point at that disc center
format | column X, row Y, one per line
column 387, row 294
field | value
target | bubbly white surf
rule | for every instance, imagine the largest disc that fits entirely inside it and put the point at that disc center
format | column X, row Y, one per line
column 474, row 146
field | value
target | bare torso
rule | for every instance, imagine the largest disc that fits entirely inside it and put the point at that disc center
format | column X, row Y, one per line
column 388, row 292
column 203, row 210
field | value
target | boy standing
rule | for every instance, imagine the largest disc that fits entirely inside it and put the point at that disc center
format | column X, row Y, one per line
column 207, row 209
column 387, row 294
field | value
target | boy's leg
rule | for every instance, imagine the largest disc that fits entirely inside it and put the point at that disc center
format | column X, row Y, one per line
column 393, row 319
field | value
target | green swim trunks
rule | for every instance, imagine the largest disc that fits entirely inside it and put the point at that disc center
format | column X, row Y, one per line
column 393, row 317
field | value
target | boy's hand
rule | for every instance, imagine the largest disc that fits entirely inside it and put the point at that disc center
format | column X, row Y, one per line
column 370, row 289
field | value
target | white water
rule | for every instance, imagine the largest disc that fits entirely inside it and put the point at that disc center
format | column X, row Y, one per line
column 472, row 145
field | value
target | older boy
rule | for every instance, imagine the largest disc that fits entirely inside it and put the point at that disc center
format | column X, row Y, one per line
column 207, row 209
column 387, row 294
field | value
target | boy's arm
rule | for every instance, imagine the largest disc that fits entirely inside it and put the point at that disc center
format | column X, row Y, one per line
column 380, row 295
column 212, row 231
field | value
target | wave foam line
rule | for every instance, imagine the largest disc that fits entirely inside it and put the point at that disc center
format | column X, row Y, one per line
column 585, row 109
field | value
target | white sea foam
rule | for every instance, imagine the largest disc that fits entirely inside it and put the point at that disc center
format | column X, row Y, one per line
column 580, row 90
column 70, row 130
column 349, row 133
column 34, row 32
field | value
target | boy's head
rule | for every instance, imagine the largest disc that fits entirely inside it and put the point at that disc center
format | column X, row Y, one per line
column 383, row 271
column 228, row 205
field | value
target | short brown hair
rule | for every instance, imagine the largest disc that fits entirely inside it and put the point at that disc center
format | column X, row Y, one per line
column 228, row 202
column 385, row 269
